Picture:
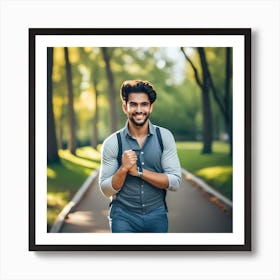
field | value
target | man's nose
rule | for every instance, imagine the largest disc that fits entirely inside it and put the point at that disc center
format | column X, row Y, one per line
column 139, row 108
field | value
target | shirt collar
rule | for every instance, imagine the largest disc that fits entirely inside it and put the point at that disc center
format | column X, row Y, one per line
column 151, row 129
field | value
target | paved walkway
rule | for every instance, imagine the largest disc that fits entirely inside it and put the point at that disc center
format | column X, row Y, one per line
column 190, row 210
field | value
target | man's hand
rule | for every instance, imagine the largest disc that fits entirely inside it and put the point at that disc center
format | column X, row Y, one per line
column 133, row 170
column 129, row 159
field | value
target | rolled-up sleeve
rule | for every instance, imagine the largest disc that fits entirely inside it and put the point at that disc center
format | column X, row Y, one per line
column 170, row 161
column 109, row 165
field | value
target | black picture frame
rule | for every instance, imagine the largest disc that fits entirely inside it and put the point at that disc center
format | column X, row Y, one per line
column 35, row 35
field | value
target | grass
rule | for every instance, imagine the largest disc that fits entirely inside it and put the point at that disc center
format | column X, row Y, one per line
column 215, row 168
column 66, row 177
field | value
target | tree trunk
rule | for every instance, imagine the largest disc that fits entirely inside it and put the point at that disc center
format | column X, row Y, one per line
column 72, row 141
column 224, row 100
column 112, row 90
column 206, row 105
column 207, row 112
column 228, row 105
column 207, row 122
column 61, row 132
column 52, row 153
column 95, row 120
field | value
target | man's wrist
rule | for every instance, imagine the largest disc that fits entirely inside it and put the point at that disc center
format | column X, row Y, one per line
column 139, row 172
column 124, row 169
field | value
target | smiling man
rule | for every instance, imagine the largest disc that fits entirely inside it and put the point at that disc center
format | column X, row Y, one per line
column 139, row 163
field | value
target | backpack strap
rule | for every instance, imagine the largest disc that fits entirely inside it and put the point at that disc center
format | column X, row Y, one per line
column 161, row 145
column 159, row 138
column 120, row 149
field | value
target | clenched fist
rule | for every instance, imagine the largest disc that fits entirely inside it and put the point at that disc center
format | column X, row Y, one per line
column 129, row 159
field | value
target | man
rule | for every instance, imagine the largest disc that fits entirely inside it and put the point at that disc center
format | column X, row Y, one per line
column 137, row 180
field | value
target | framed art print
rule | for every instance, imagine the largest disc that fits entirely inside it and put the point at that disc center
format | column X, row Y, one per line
column 203, row 81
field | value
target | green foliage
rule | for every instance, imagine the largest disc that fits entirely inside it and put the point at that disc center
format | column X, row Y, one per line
column 179, row 98
column 215, row 168
column 218, row 176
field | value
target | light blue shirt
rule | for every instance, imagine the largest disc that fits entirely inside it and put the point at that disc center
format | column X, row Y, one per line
column 136, row 194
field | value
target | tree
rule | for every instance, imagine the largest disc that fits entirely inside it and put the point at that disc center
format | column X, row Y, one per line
column 96, row 117
column 52, row 153
column 224, row 100
column 206, row 106
column 72, row 141
column 112, row 90
column 89, row 58
column 228, row 101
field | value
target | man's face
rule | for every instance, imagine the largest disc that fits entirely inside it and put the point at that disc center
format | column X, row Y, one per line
column 138, row 108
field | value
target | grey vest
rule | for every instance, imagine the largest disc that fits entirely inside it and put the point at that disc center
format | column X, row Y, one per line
column 136, row 194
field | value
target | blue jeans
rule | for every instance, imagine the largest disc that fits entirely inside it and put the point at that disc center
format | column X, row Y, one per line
column 122, row 220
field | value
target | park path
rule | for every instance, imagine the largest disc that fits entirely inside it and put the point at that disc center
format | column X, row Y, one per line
column 190, row 210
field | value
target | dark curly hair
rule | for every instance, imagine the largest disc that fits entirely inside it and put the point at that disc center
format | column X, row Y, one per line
column 133, row 86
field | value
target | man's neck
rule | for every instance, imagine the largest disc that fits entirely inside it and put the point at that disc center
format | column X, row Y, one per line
column 138, row 131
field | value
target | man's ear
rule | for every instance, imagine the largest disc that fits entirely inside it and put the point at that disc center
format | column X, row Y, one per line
column 124, row 107
column 152, row 107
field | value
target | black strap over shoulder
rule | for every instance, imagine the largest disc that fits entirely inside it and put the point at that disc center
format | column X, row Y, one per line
column 161, row 145
column 120, row 148
column 159, row 138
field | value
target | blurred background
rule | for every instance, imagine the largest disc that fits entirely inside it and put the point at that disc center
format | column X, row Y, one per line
column 194, row 101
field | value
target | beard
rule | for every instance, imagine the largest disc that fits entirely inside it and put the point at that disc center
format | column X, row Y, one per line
column 139, row 123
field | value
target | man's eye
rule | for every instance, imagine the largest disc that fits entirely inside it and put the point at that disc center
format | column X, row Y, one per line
column 134, row 105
